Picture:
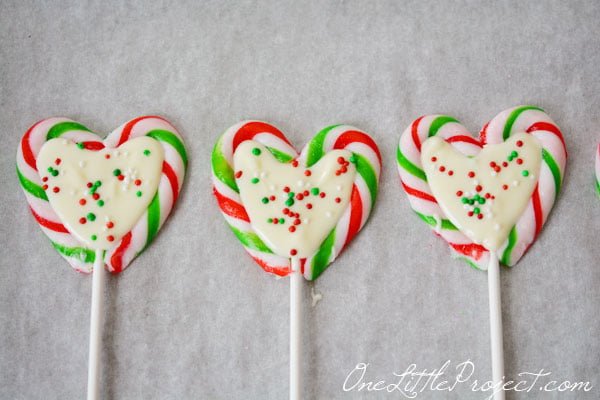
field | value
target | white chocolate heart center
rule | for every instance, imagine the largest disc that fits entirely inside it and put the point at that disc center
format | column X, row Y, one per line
column 293, row 208
column 100, row 194
column 483, row 196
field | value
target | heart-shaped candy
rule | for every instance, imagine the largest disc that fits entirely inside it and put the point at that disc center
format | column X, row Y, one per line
column 488, row 194
column 91, row 194
column 280, row 204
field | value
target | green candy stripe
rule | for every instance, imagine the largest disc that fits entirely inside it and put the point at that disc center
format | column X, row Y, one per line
column 510, row 121
column 280, row 155
column 251, row 240
column 315, row 148
column 321, row 258
column 551, row 163
column 221, row 167
column 169, row 137
column 598, row 187
column 438, row 123
column 30, row 187
column 153, row 219
column 63, row 127
column 470, row 263
column 512, row 241
column 409, row 166
column 429, row 220
column 80, row 253
column 365, row 169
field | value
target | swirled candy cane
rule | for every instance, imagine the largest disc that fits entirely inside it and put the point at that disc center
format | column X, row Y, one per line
column 101, row 202
column 488, row 197
column 295, row 213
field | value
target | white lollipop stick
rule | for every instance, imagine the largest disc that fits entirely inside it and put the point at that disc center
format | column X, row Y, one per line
column 496, row 324
column 93, row 389
column 295, row 330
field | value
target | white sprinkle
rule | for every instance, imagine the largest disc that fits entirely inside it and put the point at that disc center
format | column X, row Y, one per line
column 272, row 188
column 328, row 214
column 263, row 174
column 81, row 164
column 338, row 188
column 300, row 183
column 493, row 173
column 116, row 153
column 497, row 227
column 307, row 184
column 515, row 183
column 475, row 182
column 106, row 218
column 466, row 206
column 104, row 229
column 126, row 153
column 72, row 193
column 532, row 176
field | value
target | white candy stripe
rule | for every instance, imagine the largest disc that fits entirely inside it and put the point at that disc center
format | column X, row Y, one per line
column 270, row 140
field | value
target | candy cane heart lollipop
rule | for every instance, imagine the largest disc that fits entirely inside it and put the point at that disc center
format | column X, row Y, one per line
column 91, row 194
column 282, row 205
column 493, row 193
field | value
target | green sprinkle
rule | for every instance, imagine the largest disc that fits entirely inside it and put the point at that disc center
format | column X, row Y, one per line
column 514, row 154
column 138, row 193
column 146, row 152
column 50, row 169
column 270, row 220
column 464, row 200
column 97, row 183
column 471, row 201
column 256, row 151
column 352, row 159
column 80, row 145
column 281, row 221
column 264, row 200
column 100, row 203
column 481, row 200
column 91, row 216
column 291, row 194
column 476, row 210
column 315, row 191
column 54, row 172
column 94, row 237
column 117, row 172
column 525, row 173
column 289, row 202
column 255, row 180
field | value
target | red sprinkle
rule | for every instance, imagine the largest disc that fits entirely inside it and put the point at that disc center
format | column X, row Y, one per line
column 275, row 221
column 459, row 193
column 107, row 156
column 487, row 195
column 442, row 168
column 433, row 159
column 57, row 161
column 137, row 182
column 492, row 164
column 272, row 198
column 89, row 184
column 519, row 161
column 450, row 172
column 338, row 200
column 297, row 221
column 505, row 187
column 307, row 172
column 340, row 160
column 121, row 177
column 505, row 164
column 110, row 224
column 299, row 196
column 56, row 189
column 519, row 143
column 293, row 252
column 338, row 172
column 294, row 163
column 110, row 238
column 470, row 213
column 82, row 202
column 82, row 220
column 238, row 174
column 471, row 174
column 478, row 188
column 343, row 170
column 45, row 187
column 95, row 196
column 479, row 216
column 286, row 189
column 45, row 179
column 286, row 211
column 497, row 169
column 306, row 193
column 309, row 206
column 322, row 194
column 292, row 229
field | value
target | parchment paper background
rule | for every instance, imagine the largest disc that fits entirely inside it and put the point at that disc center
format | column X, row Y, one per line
column 194, row 317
